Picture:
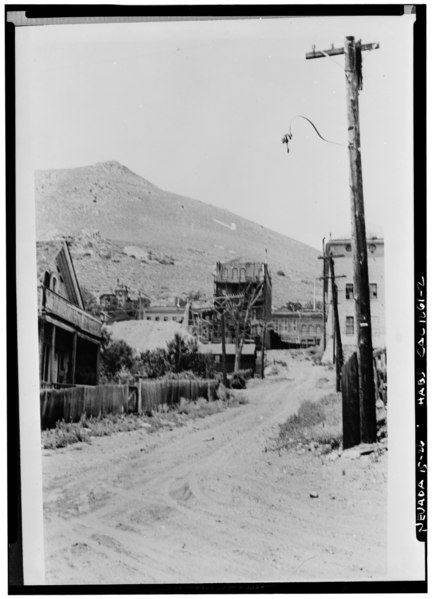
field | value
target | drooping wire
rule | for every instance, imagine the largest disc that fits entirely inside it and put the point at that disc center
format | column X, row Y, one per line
column 288, row 136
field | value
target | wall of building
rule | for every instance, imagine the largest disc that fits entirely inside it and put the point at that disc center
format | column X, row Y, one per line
column 346, row 302
column 297, row 328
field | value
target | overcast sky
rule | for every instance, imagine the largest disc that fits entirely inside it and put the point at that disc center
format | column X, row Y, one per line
column 199, row 108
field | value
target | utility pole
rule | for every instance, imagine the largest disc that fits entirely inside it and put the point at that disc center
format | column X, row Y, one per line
column 352, row 51
column 337, row 341
column 324, row 305
column 224, row 372
column 339, row 350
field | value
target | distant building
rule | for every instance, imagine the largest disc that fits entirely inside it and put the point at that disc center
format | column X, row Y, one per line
column 303, row 328
column 117, row 305
column 346, row 301
column 237, row 278
column 164, row 314
column 248, row 356
column 201, row 316
column 69, row 337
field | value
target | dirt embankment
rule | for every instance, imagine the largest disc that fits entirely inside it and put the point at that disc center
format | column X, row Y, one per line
column 208, row 503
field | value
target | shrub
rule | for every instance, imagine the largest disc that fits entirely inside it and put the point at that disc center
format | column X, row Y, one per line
column 116, row 356
column 154, row 363
column 180, row 356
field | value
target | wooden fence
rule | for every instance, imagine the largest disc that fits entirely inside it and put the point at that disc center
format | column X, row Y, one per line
column 71, row 404
column 152, row 394
column 350, row 394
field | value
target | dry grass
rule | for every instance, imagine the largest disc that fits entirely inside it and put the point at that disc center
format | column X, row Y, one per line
column 317, row 422
column 67, row 433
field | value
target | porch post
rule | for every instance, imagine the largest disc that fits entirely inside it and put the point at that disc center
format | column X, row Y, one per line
column 41, row 347
column 52, row 355
column 97, row 364
column 73, row 358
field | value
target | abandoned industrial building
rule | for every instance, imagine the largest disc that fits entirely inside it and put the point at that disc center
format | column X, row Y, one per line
column 69, row 337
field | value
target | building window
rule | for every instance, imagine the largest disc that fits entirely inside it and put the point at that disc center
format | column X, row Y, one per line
column 303, row 328
column 349, row 291
column 156, row 317
column 242, row 275
column 372, row 248
column 234, row 274
column 54, row 283
column 348, row 247
column 225, row 273
column 148, row 317
column 318, row 330
column 349, row 325
column 311, row 329
column 165, row 318
column 373, row 290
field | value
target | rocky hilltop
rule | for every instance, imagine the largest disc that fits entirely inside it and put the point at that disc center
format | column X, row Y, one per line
column 121, row 226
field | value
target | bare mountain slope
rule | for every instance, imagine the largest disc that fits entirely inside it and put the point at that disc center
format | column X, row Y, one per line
column 156, row 241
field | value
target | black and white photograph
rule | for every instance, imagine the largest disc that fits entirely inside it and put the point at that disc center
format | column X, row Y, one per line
column 214, row 256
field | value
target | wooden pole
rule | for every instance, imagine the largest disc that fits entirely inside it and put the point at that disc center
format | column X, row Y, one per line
column 323, row 303
column 361, row 277
column 52, row 355
column 73, row 359
column 352, row 51
column 224, row 372
column 337, row 333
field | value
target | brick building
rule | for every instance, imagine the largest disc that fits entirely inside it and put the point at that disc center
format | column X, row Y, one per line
column 289, row 328
column 346, row 301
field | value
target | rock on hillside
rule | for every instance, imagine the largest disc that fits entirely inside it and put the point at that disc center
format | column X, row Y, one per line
column 160, row 242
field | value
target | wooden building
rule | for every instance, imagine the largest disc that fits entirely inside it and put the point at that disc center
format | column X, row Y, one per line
column 241, row 281
column 69, row 337
column 248, row 358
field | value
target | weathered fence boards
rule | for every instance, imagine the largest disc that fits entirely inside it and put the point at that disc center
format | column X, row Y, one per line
column 350, row 403
column 169, row 392
column 72, row 403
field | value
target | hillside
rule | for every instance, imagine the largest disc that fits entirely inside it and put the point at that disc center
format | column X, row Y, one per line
column 123, row 227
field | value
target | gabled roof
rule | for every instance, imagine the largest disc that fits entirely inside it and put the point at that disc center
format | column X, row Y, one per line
column 46, row 253
column 54, row 256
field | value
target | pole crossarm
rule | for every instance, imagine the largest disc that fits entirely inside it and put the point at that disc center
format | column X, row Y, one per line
column 331, row 256
column 335, row 277
column 334, row 51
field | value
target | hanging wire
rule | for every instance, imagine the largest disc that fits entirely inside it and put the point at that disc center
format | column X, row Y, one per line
column 288, row 136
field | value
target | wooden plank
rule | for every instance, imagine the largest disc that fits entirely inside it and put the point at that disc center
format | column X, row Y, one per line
column 336, row 51
column 350, row 403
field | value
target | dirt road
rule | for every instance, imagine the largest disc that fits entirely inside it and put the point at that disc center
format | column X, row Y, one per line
column 207, row 503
